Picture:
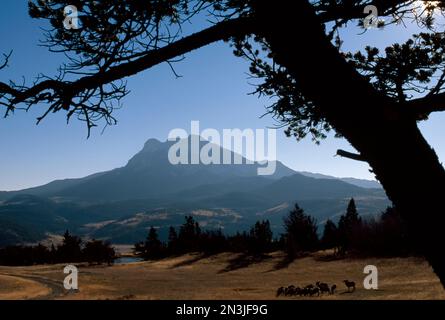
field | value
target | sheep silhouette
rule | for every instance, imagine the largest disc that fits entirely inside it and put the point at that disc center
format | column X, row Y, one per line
column 334, row 286
column 324, row 287
column 290, row 291
column 349, row 285
column 281, row 291
column 312, row 290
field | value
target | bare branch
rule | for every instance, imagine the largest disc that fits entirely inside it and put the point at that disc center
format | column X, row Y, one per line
column 90, row 97
column 350, row 155
column 6, row 60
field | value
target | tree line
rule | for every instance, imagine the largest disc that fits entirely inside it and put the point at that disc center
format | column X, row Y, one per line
column 384, row 236
column 72, row 249
column 353, row 235
column 190, row 238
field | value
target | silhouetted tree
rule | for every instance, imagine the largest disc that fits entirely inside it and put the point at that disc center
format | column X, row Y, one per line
column 172, row 245
column 53, row 254
column 394, row 234
column 97, row 251
column 213, row 242
column 330, row 238
column 260, row 240
column 349, row 227
column 70, row 250
column 351, row 212
column 385, row 237
column 189, row 235
column 301, row 233
column 153, row 248
column 40, row 254
column 239, row 242
column 16, row 256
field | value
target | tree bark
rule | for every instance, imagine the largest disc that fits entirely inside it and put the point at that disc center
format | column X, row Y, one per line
column 383, row 132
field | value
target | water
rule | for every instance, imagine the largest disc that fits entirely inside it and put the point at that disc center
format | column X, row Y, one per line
column 125, row 260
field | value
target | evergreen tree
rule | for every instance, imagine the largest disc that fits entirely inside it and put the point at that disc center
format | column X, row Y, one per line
column 189, row 234
column 301, row 233
column 349, row 227
column 53, row 254
column 172, row 241
column 97, row 251
column 260, row 237
column 70, row 250
column 213, row 242
column 352, row 214
column 330, row 236
column 394, row 235
column 154, row 248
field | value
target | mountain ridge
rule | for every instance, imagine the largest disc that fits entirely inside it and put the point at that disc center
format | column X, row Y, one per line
column 120, row 204
column 63, row 187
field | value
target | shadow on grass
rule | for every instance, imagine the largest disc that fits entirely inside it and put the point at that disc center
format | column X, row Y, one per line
column 196, row 258
column 287, row 260
column 243, row 261
column 283, row 263
column 329, row 257
column 346, row 292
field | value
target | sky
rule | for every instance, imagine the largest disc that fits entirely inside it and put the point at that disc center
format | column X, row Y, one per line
column 214, row 89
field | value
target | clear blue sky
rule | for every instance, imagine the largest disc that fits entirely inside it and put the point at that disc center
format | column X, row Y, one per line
column 214, row 90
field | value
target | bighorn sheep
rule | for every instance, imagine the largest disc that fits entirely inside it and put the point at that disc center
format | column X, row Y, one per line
column 314, row 291
column 324, row 287
column 281, row 291
column 349, row 285
column 333, row 289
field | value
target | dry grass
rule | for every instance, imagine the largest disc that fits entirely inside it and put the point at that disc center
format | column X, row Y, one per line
column 16, row 288
column 225, row 276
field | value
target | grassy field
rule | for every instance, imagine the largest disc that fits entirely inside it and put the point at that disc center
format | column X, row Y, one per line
column 225, row 276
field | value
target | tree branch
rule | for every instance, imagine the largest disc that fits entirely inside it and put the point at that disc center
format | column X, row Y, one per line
column 349, row 155
column 221, row 31
column 421, row 108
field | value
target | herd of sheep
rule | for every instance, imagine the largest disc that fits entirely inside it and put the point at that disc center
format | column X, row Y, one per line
column 313, row 290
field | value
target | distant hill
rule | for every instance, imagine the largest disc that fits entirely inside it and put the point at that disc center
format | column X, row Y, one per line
column 368, row 184
column 122, row 203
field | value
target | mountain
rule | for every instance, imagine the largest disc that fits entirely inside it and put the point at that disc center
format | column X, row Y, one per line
column 368, row 184
column 299, row 187
column 121, row 204
column 49, row 189
column 148, row 174
column 22, row 218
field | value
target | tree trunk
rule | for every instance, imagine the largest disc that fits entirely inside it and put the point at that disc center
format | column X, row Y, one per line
column 414, row 180
column 375, row 125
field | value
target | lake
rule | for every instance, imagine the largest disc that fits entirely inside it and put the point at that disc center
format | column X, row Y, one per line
column 125, row 260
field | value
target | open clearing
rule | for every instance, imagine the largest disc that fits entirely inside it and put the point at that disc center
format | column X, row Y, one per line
column 224, row 276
